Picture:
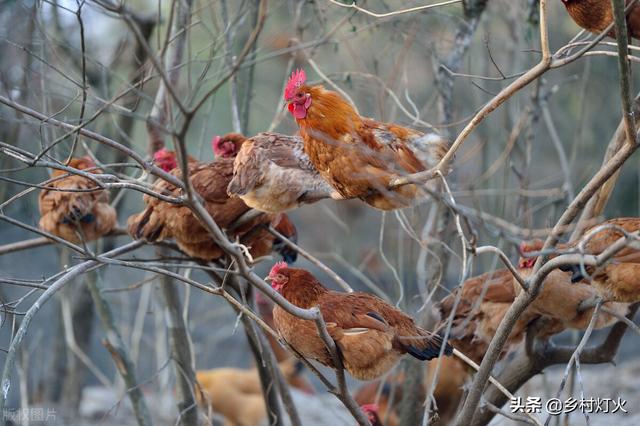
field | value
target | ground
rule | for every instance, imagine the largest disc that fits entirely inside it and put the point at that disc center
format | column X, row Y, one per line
column 101, row 405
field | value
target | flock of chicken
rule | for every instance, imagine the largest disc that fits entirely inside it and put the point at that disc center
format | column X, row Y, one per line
column 339, row 154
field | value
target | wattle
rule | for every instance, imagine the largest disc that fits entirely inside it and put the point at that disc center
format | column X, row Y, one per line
column 299, row 111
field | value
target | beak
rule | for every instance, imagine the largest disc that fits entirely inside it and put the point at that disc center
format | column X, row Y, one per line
column 286, row 103
column 268, row 279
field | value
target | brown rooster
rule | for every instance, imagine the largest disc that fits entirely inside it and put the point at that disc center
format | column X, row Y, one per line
column 371, row 334
column 273, row 174
column 73, row 208
column 619, row 279
column 358, row 156
column 596, row 15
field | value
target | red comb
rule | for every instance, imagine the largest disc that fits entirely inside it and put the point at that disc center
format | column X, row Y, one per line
column 160, row 153
column 370, row 407
column 524, row 247
column 279, row 266
column 215, row 141
column 89, row 161
column 532, row 245
column 297, row 79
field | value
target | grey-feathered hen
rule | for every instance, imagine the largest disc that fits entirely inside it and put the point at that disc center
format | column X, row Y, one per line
column 273, row 174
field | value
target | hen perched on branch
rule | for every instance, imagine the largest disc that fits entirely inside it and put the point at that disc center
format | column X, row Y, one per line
column 273, row 174
column 596, row 15
column 562, row 301
column 73, row 207
column 619, row 279
column 163, row 220
column 486, row 298
column 371, row 334
column 358, row 156
column 149, row 225
column 483, row 303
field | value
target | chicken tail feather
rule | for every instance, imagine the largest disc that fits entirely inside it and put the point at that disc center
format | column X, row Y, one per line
column 144, row 226
column 288, row 254
column 431, row 349
column 576, row 272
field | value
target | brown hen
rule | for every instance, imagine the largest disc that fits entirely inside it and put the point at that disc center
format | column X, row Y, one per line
column 596, row 15
column 619, row 279
column 162, row 220
column 149, row 225
column 484, row 300
column 236, row 393
column 371, row 334
column 273, row 174
column 73, row 208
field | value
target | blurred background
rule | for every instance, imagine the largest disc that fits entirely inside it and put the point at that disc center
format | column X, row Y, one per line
column 513, row 177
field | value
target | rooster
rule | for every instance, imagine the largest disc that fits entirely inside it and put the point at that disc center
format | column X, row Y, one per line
column 371, row 335
column 358, row 156
column 73, row 207
column 596, row 15
column 273, row 174
column 619, row 279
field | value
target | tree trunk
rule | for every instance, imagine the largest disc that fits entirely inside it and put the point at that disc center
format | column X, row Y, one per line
column 180, row 349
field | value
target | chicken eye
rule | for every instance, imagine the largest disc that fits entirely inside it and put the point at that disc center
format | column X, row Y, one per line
column 298, row 95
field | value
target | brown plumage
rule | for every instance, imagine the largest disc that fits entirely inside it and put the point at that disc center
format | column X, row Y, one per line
column 209, row 181
column 149, row 224
column 475, row 322
column 619, row 279
column 561, row 300
column 453, row 376
column 162, row 220
column 596, row 15
column 448, row 392
column 371, row 334
column 273, row 174
column 236, row 393
column 265, row 309
column 73, row 209
column 358, row 156
column 483, row 303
